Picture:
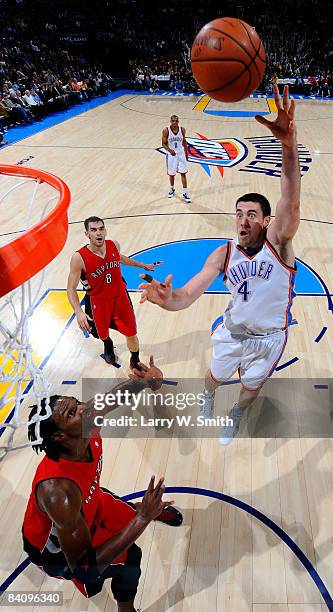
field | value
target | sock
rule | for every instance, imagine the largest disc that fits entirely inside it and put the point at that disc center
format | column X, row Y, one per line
column 236, row 410
column 108, row 346
column 135, row 356
column 209, row 393
column 184, row 190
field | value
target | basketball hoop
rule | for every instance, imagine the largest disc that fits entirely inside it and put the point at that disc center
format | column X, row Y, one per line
column 21, row 259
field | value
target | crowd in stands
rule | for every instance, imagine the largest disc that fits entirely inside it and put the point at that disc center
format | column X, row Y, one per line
column 56, row 54
column 160, row 73
column 37, row 78
column 37, row 81
column 297, row 48
column 292, row 46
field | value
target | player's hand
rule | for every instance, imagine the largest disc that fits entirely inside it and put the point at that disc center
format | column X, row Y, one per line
column 173, row 153
column 156, row 292
column 152, row 504
column 152, row 376
column 83, row 320
column 152, row 266
column 284, row 126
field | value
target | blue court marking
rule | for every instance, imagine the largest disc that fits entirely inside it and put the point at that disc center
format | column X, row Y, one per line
column 200, row 93
column 19, row 133
column 238, row 113
column 174, row 383
column 170, row 94
column 320, row 335
column 238, row 504
column 20, row 568
column 320, row 386
column 193, row 252
column 263, row 519
column 45, row 360
column 69, row 382
column 286, row 364
column 292, row 96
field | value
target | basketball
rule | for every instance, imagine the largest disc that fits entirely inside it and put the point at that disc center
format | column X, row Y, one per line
column 228, row 59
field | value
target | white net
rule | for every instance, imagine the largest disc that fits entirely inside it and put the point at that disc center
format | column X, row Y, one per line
column 19, row 374
column 22, row 380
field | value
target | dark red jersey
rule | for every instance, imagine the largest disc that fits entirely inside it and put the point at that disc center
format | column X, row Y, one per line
column 37, row 525
column 103, row 274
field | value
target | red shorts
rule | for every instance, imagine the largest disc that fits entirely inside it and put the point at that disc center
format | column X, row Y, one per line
column 116, row 313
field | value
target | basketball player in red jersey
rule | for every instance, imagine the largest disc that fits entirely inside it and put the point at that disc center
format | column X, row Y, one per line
column 107, row 303
column 73, row 528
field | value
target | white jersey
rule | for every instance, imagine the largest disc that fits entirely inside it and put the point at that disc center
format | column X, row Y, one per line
column 261, row 288
column 175, row 142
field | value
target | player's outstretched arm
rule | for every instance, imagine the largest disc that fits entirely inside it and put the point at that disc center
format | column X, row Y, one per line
column 287, row 214
column 62, row 501
column 168, row 298
column 129, row 261
column 138, row 380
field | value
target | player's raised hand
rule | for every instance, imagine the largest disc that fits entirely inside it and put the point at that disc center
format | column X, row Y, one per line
column 151, row 375
column 83, row 320
column 284, row 126
column 152, row 266
column 152, row 504
column 156, row 292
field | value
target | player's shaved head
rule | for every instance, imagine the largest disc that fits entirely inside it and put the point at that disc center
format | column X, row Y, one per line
column 174, row 118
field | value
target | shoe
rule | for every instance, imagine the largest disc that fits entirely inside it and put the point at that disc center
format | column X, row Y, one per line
column 230, row 431
column 135, row 364
column 171, row 192
column 170, row 516
column 110, row 358
column 187, row 198
column 207, row 408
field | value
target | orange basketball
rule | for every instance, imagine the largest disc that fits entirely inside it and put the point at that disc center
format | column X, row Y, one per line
column 228, row 59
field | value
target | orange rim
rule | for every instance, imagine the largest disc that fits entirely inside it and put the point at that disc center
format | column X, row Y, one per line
column 26, row 255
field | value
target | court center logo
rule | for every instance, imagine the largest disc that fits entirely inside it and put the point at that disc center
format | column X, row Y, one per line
column 217, row 152
column 224, row 153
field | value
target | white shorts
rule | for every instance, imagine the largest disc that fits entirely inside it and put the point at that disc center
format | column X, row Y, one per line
column 255, row 358
column 176, row 163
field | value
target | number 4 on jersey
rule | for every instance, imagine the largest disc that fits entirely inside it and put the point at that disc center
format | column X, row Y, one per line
column 244, row 290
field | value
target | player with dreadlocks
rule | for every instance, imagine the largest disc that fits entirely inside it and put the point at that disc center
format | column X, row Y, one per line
column 73, row 528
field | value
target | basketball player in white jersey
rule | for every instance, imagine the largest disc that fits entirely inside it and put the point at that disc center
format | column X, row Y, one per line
column 259, row 270
column 174, row 142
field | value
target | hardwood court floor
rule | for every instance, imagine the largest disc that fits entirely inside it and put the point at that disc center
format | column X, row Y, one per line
column 222, row 558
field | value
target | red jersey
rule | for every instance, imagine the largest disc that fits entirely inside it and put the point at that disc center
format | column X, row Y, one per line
column 37, row 525
column 103, row 274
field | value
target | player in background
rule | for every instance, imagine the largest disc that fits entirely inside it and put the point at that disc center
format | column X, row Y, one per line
column 259, row 271
column 174, row 142
column 107, row 303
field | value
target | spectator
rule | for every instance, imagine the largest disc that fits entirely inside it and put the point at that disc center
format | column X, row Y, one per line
column 36, row 107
